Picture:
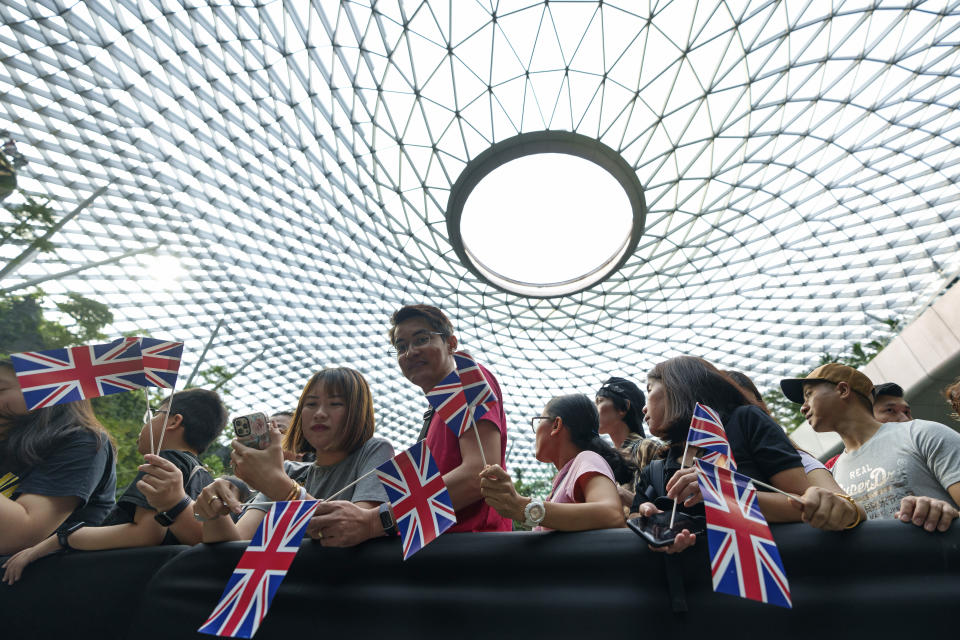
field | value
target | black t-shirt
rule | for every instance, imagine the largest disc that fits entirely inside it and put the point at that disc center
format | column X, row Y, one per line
column 82, row 464
column 195, row 478
column 760, row 447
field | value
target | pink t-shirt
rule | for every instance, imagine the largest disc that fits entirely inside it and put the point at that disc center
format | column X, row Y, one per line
column 445, row 448
column 583, row 465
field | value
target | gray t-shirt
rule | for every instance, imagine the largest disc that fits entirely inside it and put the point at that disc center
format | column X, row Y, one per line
column 322, row 482
column 917, row 458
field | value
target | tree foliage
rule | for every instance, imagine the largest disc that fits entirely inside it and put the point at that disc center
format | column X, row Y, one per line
column 788, row 414
column 539, row 487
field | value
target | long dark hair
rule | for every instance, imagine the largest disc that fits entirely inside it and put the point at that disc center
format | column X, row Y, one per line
column 29, row 438
column 579, row 415
column 688, row 380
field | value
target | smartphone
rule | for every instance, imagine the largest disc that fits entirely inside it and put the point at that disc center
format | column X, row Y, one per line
column 252, row 430
column 657, row 531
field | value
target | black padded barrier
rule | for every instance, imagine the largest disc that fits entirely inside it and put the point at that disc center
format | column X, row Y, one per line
column 80, row 594
column 882, row 579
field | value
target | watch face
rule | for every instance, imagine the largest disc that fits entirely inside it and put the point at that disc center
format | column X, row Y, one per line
column 537, row 512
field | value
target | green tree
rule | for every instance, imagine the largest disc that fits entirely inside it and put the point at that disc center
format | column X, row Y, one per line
column 538, row 486
column 788, row 414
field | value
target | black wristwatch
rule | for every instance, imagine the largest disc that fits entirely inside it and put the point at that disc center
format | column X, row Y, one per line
column 63, row 534
column 386, row 519
column 166, row 518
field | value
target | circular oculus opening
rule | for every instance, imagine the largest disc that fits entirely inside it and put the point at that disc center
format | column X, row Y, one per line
column 547, row 214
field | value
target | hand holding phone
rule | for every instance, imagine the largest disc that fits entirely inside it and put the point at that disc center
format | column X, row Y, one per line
column 656, row 529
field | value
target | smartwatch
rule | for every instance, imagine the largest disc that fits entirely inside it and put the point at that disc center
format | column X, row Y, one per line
column 386, row 519
column 534, row 512
column 166, row 518
column 63, row 534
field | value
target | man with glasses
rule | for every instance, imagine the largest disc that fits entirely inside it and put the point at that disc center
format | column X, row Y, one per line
column 909, row 471
column 423, row 343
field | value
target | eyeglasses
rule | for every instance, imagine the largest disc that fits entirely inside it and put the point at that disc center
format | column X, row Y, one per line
column 150, row 413
column 535, row 422
column 420, row 340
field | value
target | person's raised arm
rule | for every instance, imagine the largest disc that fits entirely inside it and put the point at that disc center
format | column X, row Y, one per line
column 162, row 486
column 31, row 518
column 463, row 482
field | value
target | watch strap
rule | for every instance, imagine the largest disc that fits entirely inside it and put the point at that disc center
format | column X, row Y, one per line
column 166, row 518
column 386, row 519
column 64, row 533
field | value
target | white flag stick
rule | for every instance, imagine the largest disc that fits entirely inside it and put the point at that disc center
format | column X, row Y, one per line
column 146, row 396
column 683, row 460
column 166, row 417
column 476, row 432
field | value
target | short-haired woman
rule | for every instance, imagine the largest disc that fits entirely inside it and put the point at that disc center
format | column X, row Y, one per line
column 334, row 419
column 424, row 341
column 584, row 494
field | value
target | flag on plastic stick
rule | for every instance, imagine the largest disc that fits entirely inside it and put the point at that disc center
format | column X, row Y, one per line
column 744, row 560
column 261, row 569
column 706, row 432
column 161, row 361
column 57, row 376
column 450, row 403
column 476, row 389
column 421, row 504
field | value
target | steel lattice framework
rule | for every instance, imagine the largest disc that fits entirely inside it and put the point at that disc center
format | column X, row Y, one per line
column 799, row 162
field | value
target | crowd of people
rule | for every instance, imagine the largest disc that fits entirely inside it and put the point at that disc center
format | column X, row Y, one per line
column 58, row 479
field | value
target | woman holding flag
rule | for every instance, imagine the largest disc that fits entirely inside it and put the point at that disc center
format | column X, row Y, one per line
column 584, row 494
column 424, row 344
column 334, row 419
column 57, row 467
column 757, row 444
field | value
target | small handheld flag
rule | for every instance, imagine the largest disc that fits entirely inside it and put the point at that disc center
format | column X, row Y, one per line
column 161, row 361
column 261, row 569
column 421, row 504
column 706, row 432
column 476, row 389
column 450, row 403
column 77, row 373
column 744, row 560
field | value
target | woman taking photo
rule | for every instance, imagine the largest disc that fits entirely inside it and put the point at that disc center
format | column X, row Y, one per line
column 57, row 467
column 334, row 419
column 584, row 494
column 424, row 342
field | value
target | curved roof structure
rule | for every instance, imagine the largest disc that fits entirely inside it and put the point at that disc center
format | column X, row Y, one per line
column 294, row 162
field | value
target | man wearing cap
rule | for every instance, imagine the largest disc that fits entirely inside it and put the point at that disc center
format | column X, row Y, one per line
column 907, row 471
column 889, row 405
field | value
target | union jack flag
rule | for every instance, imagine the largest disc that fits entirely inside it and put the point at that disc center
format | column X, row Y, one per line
column 77, row 373
column 450, row 403
column 744, row 559
column 261, row 569
column 706, row 432
column 477, row 390
column 421, row 504
column 161, row 361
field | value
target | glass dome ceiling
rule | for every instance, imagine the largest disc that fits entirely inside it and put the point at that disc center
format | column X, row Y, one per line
column 294, row 161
